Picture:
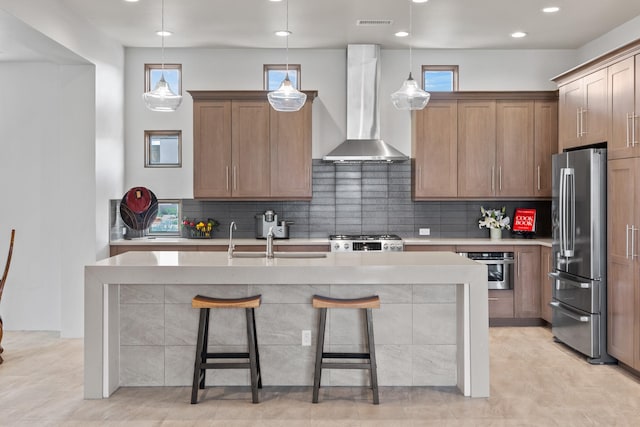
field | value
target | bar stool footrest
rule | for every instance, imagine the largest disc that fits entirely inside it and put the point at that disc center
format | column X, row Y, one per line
column 234, row 365
column 332, row 365
column 346, row 356
column 227, row 355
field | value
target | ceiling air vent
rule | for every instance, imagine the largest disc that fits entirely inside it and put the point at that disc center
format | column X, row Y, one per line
column 370, row 22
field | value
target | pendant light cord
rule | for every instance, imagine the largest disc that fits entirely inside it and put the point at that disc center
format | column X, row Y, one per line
column 162, row 36
column 410, row 35
column 287, row 30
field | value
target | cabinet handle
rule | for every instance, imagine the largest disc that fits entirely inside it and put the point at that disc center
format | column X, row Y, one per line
column 578, row 123
column 633, row 129
column 626, row 245
column 493, row 299
column 627, row 125
column 235, row 184
column 633, row 242
column 500, row 178
column 582, row 112
column 227, row 174
column 493, row 178
column 419, row 177
column 538, row 177
column 518, row 267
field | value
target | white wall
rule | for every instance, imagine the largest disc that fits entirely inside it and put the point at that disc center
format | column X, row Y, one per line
column 86, row 112
column 625, row 33
column 322, row 70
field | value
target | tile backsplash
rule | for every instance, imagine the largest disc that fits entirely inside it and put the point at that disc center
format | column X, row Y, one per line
column 357, row 198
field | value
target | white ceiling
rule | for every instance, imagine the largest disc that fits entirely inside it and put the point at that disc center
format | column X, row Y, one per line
column 473, row 24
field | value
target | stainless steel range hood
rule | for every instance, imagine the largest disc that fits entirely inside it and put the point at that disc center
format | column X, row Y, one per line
column 363, row 142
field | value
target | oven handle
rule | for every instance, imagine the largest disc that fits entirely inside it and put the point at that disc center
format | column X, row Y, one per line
column 581, row 285
column 564, row 311
column 494, row 261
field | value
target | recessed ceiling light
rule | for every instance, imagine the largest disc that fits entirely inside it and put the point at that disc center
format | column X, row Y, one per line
column 275, row 0
column 518, row 34
column 419, row 1
column 551, row 9
column 164, row 33
column 401, row 34
column 131, row 1
column 283, row 33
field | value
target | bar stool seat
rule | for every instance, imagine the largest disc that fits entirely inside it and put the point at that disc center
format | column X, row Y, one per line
column 202, row 363
column 368, row 358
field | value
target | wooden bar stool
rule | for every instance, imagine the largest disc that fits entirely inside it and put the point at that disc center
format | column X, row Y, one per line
column 369, row 357
column 202, row 356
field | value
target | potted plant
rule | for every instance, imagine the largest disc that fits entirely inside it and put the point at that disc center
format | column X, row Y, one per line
column 495, row 220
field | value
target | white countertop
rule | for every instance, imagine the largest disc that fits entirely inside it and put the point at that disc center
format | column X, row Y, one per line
column 409, row 241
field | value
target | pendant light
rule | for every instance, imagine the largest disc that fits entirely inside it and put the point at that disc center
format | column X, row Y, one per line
column 410, row 96
column 287, row 98
column 162, row 98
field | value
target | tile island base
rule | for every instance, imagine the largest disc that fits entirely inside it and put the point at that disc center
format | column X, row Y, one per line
column 431, row 329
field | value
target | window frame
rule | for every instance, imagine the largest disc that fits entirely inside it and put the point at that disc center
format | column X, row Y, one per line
column 280, row 67
column 147, row 75
column 453, row 68
column 148, row 134
column 178, row 216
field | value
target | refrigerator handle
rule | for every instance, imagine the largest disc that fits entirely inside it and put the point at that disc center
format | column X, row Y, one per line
column 626, row 234
column 567, row 201
column 633, row 242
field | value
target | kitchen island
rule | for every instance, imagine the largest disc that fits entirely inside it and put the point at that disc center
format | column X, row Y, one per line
column 432, row 328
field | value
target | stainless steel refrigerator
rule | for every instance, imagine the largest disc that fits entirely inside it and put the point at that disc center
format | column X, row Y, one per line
column 579, row 208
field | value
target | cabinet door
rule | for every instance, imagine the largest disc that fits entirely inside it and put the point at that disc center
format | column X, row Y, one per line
column 514, row 148
column 595, row 118
column 621, row 309
column 545, row 144
column 476, row 148
column 435, row 151
column 570, row 101
column 621, row 102
column 212, row 149
column 251, row 152
column 290, row 136
column 526, row 289
column 545, row 283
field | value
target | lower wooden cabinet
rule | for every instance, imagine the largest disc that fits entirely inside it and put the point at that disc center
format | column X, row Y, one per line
column 526, row 287
column 545, row 283
column 501, row 304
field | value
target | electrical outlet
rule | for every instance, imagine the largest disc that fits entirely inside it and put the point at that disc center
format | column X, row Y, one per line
column 306, row 338
column 425, row 231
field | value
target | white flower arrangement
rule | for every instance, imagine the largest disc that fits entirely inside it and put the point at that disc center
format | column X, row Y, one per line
column 494, row 218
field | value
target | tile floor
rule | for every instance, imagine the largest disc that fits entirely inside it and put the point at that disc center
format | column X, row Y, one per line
column 534, row 382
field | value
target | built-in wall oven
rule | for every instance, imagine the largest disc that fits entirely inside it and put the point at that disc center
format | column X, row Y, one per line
column 499, row 267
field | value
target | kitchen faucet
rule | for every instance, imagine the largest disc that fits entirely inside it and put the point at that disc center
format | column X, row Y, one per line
column 270, row 243
column 232, row 227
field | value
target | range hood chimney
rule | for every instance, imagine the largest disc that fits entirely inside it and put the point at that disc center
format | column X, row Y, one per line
column 363, row 142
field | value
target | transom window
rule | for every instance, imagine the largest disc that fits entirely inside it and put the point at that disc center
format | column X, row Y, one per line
column 163, row 148
column 274, row 75
column 172, row 75
column 440, row 78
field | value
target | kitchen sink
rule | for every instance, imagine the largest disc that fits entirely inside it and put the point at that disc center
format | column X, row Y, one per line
column 280, row 255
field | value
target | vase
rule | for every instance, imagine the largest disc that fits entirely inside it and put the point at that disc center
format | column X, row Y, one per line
column 496, row 233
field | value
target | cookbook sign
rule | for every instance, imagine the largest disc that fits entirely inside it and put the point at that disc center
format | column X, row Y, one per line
column 524, row 220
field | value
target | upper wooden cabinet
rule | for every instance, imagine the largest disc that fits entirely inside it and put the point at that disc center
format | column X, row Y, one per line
column 476, row 148
column 545, row 136
column 583, row 111
column 435, row 150
column 484, row 145
column 624, row 106
column 243, row 149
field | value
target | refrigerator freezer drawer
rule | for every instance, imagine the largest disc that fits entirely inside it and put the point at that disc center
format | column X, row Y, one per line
column 582, row 294
column 578, row 330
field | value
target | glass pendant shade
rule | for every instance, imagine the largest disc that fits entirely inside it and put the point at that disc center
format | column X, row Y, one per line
column 410, row 96
column 286, row 97
column 162, row 98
